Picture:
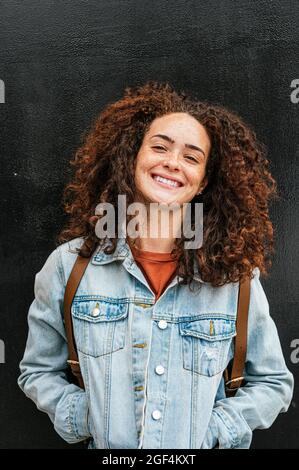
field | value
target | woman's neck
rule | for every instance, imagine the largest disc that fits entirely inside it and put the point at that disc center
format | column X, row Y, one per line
column 155, row 245
column 159, row 232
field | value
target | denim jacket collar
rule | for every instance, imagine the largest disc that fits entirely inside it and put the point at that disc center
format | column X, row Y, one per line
column 122, row 251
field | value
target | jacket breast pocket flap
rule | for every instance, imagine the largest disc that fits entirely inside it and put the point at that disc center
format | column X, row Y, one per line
column 206, row 344
column 99, row 325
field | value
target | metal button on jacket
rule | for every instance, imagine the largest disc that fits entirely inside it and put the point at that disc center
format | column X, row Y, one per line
column 160, row 370
column 96, row 312
column 156, row 414
column 162, row 324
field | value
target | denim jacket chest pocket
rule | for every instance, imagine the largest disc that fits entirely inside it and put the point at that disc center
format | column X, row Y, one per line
column 99, row 325
column 206, row 344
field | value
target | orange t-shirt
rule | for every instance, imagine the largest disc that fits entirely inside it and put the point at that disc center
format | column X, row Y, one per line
column 158, row 268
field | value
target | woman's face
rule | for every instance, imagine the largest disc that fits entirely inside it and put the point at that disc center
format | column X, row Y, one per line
column 172, row 159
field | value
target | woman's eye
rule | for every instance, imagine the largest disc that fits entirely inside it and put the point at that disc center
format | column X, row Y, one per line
column 192, row 158
column 187, row 156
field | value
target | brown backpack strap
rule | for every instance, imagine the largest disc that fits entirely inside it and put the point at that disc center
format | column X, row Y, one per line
column 235, row 379
column 70, row 290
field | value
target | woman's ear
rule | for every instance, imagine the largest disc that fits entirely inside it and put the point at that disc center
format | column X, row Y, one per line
column 202, row 186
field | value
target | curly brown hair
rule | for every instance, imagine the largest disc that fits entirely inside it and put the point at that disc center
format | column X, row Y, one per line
column 237, row 231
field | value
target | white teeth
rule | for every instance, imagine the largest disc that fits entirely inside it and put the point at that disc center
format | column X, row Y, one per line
column 166, row 181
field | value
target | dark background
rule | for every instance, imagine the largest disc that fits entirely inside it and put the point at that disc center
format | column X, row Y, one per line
column 62, row 62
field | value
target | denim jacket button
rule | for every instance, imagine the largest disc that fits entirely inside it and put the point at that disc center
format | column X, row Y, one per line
column 160, row 370
column 162, row 324
column 96, row 312
column 156, row 414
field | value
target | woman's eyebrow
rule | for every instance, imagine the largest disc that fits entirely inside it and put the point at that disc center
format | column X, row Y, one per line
column 191, row 146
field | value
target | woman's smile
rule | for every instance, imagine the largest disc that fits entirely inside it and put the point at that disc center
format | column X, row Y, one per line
column 166, row 182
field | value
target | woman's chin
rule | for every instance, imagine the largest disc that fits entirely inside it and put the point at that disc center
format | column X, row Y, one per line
column 165, row 200
column 160, row 196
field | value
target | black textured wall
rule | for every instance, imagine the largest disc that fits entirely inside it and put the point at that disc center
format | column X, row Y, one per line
column 60, row 63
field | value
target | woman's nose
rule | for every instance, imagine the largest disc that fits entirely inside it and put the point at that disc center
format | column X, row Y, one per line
column 172, row 162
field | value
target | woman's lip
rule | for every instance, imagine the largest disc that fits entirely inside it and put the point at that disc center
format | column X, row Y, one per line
column 160, row 183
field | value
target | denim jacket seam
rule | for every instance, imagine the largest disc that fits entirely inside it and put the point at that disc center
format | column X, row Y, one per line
column 58, row 264
column 227, row 422
column 69, row 417
column 72, row 416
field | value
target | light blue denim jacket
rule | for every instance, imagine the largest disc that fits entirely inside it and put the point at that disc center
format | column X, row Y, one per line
column 153, row 372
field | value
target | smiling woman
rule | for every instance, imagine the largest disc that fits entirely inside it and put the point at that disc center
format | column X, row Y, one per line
column 152, row 349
